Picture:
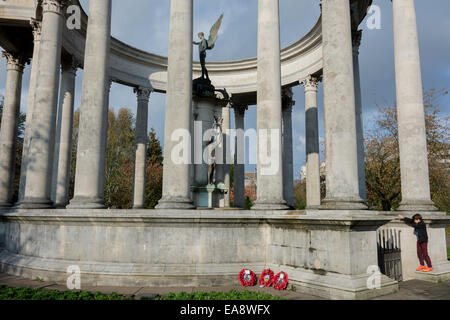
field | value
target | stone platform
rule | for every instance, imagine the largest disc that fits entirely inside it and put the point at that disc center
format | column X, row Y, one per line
column 325, row 253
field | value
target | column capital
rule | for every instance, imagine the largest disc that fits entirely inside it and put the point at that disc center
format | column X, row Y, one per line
column 356, row 41
column 143, row 93
column 15, row 61
column 54, row 6
column 37, row 29
column 70, row 65
column 287, row 101
column 239, row 109
column 109, row 84
column 311, row 83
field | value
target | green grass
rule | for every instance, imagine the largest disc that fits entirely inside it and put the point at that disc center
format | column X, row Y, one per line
column 448, row 253
column 10, row 293
column 230, row 295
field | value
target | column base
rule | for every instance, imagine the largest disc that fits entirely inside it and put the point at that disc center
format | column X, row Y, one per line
column 6, row 205
column 175, row 203
column 418, row 205
column 313, row 207
column 35, row 203
column 343, row 204
column 60, row 205
column 86, row 203
column 270, row 205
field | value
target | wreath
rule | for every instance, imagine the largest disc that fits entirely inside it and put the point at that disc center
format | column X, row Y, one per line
column 247, row 278
column 266, row 278
column 281, row 280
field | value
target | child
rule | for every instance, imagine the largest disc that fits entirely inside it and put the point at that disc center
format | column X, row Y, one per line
column 420, row 230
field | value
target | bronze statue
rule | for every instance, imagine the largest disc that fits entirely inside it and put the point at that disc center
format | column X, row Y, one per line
column 204, row 44
column 217, row 140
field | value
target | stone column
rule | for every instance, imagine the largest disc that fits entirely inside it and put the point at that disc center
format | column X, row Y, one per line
column 9, row 126
column 239, row 157
column 410, row 110
column 42, row 142
column 64, row 128
column 91, row 154
column 141, row 142
column 227, row 152
column 37, row 28
column 339, row 102
column 176, row 191
column 270, row 173
column 356, row 41
column 312, row 143
column 288, row 152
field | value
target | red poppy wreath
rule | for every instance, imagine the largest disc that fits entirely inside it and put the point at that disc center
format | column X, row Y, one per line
column 266, row 278
column 281, row 280
column 247, row 278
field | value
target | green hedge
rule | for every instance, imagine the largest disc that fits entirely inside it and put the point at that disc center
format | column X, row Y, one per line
column 10, row 293
column 230, row 295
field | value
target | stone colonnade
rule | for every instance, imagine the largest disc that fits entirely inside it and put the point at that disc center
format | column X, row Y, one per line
column 46, row 137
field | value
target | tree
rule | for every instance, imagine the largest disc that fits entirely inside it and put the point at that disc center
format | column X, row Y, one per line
column 120, row 157
column 154, row 171
column 383, row 180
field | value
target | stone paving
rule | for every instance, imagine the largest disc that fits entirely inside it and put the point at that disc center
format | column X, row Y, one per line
column 409, row 290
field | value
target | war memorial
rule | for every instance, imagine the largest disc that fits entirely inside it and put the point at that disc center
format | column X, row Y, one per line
column 192, row 237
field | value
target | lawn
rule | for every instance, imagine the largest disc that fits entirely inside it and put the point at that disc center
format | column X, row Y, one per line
column 11, row 293
column 230, row 295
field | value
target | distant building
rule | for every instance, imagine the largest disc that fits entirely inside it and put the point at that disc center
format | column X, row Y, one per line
column 322, row 171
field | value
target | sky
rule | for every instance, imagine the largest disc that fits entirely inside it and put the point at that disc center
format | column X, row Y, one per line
column 144, row 24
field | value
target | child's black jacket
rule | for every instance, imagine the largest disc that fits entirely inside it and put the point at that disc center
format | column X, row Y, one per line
column 420, row 229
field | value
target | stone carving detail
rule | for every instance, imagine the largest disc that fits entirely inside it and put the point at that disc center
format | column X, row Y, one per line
column 287, row 99
column 143, row 93
column 55, row 6
column 356, row 41
column 37, row 29
column 70, row 65
column 15, row 61
column 311, row 83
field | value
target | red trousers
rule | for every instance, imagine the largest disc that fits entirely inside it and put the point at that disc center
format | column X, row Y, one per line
column 422, row 253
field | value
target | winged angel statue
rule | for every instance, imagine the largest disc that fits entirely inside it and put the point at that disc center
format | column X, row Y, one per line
column 204, row 44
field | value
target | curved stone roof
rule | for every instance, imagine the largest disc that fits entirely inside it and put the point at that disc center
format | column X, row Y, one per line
column 134, row 67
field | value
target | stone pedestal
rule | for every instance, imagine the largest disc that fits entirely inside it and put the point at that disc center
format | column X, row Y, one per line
column 325, row 253
column 204, row 189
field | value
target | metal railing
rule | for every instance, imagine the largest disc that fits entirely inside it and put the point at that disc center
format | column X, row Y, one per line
column 389, row 253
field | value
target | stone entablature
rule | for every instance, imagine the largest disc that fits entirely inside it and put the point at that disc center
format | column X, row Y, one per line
column 134, row 67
